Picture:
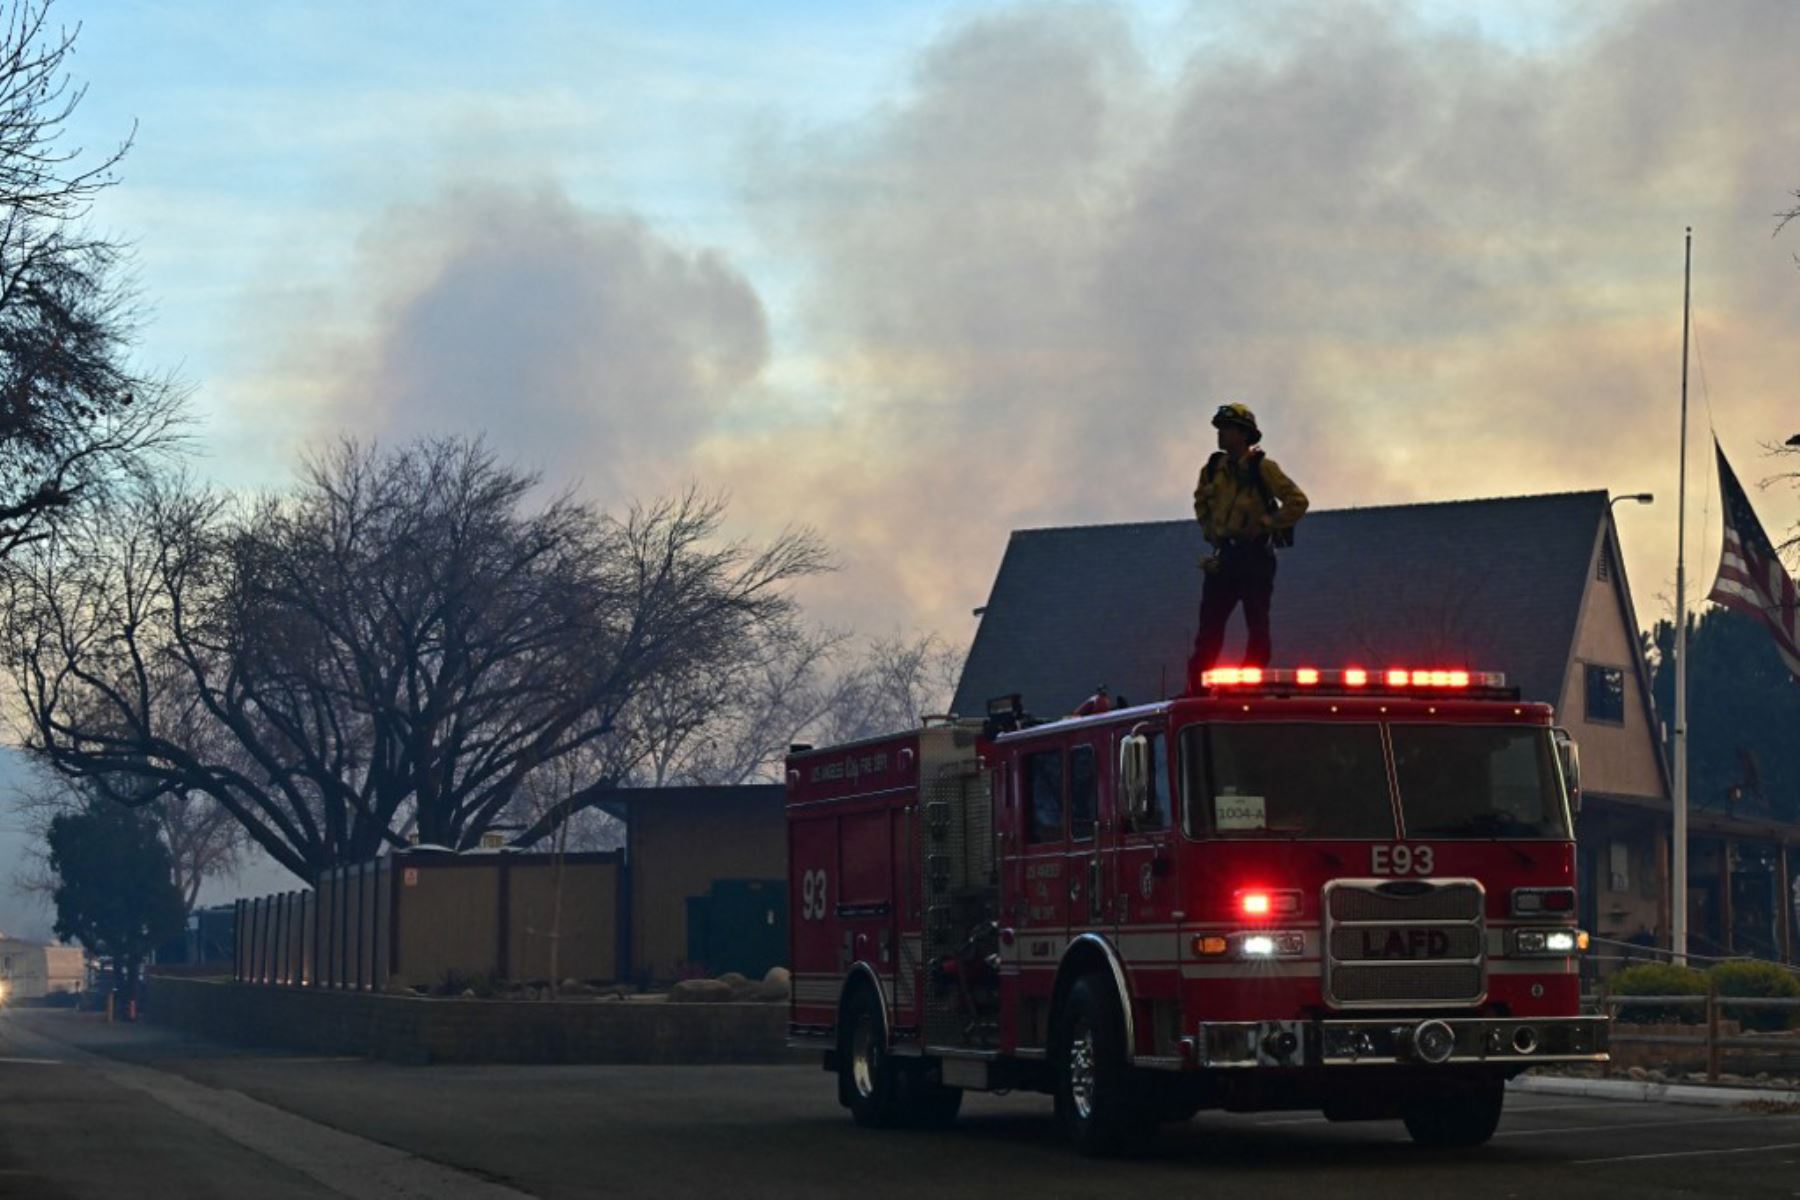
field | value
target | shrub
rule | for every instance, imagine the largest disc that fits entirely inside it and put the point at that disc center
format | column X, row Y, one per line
column 1659, row 979
column 1748, row 978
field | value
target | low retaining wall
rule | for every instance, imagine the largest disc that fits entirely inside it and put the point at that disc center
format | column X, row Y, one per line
column 415, row 1029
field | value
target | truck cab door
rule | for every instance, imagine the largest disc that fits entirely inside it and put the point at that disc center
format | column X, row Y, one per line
column 1145, row 855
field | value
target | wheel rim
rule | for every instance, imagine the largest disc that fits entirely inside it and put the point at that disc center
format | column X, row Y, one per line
column 1081, row 1071
column 864, row 1056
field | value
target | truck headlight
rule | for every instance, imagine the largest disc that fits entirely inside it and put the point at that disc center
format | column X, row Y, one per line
column 1272, row 945
column 1548, row 943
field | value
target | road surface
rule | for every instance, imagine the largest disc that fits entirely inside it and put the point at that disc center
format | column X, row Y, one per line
column 103, row 1111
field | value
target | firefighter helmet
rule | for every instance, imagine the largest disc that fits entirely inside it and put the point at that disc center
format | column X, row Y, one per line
column 1239, row 415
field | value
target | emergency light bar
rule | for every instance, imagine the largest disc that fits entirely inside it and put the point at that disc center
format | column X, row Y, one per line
column 1352, row 679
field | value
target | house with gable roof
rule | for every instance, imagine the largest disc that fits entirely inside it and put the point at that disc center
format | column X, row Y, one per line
column 1529, row 585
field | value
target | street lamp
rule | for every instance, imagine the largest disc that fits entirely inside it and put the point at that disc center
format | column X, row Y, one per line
column 1795, row 440
column 1645, row 497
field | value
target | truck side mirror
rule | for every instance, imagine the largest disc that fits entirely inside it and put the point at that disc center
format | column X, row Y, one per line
column 1569, row 755
column 1134, row 777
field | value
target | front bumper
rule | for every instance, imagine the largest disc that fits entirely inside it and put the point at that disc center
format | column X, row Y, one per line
column 1408, row 1041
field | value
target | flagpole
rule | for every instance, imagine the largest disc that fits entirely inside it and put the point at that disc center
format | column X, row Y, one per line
column 1678, row 916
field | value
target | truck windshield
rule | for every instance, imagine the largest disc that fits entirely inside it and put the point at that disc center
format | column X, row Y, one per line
column 1479, row 781
column 1285, row 780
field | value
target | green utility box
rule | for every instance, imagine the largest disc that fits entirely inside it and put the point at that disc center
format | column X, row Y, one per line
column 739, row 925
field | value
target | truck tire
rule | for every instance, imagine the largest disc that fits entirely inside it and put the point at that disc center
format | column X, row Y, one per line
column 868, row 1077
column 1465, row 1117
column 1096, row 1099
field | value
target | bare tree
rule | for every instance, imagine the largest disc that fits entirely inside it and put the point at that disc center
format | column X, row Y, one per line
column 730, row 721
column 895, row 685
column 1788, row 454
column 1787, row 216
column 75, row 420
column 399, row 643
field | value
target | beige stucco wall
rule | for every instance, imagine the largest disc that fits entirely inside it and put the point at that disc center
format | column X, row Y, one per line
column 1624, row 911
column 1615, row 758
column 678, row 848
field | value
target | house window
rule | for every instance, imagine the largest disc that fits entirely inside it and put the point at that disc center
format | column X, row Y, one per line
column 1606, row 694
column 1603, row 572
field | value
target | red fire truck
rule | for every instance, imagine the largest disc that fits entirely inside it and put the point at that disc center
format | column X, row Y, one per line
column 1347, row 890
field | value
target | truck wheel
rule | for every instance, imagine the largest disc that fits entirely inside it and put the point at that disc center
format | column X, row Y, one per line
column 1095, row 1100
column 868, row 1079
column 1465, row 1117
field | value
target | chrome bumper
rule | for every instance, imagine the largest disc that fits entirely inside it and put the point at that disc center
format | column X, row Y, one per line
column 1410, row 1041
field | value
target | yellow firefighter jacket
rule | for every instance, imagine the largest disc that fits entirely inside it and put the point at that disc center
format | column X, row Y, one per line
column 1229, row 505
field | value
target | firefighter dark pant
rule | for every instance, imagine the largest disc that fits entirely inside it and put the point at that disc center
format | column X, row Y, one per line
column 1246, row 574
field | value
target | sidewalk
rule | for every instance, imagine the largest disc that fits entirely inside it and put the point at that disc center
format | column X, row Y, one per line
column 1700, row 1094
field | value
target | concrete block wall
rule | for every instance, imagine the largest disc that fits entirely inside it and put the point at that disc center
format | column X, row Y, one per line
column 416, row 1029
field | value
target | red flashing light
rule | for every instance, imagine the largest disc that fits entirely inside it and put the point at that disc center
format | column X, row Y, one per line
column 1395, row 678
column 1255, row 903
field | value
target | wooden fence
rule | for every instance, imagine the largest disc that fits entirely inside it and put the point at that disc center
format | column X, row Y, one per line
column 417, row 918
column 1708, row 1034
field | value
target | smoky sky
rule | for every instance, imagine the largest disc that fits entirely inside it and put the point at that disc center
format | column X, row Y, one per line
column 580, row 343
column 1437, row 266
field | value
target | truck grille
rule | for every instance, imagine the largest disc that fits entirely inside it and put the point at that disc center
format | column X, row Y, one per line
column 1402, row 943
column 1452, row 900
column 1365, row 984
column 1405, row 943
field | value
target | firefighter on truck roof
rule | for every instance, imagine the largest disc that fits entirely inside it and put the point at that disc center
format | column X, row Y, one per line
column 1246, row 507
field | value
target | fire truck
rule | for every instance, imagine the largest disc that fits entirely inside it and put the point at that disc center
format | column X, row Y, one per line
column 1347, row 890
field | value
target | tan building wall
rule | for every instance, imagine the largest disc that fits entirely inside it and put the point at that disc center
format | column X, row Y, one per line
column 586, row 933
column 1617, row 758
column 678, row 847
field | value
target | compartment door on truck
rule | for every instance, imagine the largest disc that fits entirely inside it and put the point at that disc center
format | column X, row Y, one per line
column 872, row 843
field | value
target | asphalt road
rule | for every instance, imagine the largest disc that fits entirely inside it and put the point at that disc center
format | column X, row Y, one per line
column 92, row 1110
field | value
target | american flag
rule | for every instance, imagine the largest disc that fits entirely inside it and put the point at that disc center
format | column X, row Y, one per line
column 1751, row 577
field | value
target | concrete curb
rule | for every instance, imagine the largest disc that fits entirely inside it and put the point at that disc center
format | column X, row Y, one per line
column 1659, row 1093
